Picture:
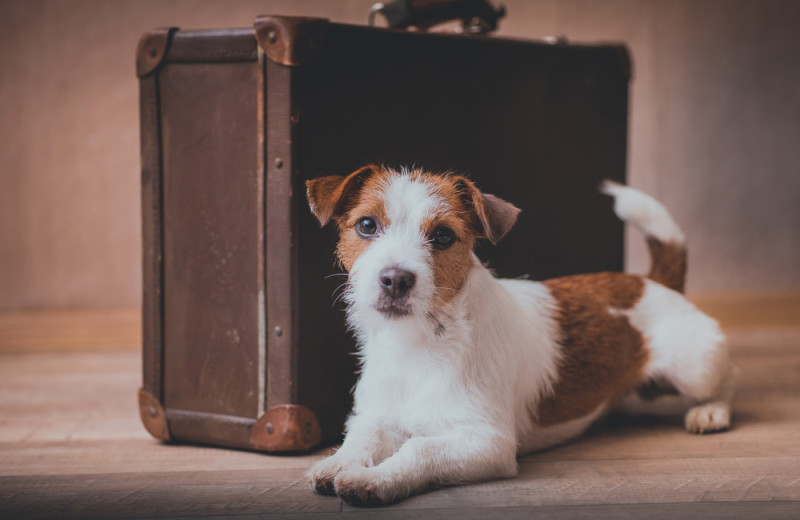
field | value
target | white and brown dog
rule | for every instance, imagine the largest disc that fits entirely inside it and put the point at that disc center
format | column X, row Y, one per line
column 461, row 371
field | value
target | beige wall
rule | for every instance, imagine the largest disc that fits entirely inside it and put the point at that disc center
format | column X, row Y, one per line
column 715, row 131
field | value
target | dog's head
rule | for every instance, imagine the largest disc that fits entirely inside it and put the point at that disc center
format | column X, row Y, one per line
column 406, row 238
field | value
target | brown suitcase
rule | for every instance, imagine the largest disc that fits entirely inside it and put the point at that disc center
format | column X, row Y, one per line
column 243, row 346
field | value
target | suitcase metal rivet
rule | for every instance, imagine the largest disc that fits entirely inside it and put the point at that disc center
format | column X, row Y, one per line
column 279, row 163
column 153, row 411
column 272, row 36
column 270, row 428
column 278, row 331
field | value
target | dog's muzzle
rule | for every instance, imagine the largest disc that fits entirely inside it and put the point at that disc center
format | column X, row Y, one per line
column 396, row 285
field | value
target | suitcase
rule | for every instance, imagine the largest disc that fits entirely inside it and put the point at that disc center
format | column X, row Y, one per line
column 243, row 345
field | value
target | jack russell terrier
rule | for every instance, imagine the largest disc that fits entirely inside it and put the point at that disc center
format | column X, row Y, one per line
column 461, row 371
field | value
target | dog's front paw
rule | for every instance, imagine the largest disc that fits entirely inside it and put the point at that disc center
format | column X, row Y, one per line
column 321, row 475
column 364, row 487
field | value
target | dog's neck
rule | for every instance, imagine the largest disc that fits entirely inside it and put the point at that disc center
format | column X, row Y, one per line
column 447, row 326
column 479, row 309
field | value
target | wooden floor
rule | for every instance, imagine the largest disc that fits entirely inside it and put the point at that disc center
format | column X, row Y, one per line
column 71, row 446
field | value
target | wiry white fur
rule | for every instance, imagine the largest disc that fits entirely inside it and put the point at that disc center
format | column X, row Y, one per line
column 688, row 348
column 401, row 244
column 447, row 394
column 683, row 342
column 447, row 407
column 454, row 407
column 643, row 211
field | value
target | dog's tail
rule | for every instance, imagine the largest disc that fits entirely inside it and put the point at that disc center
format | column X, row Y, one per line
column 664, row 238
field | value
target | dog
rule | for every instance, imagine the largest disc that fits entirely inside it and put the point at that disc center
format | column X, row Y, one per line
column 461, row 372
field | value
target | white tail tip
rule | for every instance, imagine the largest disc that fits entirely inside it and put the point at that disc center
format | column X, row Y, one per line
column 643, row 211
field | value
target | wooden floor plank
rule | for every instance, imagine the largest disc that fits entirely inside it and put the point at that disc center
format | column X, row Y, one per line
column 138, row 495
column 269, row 491
column 694, row 510
column 72, row 446
column 751, row 309
column 65, row 396
column 662, row 481
column 50, row 330
column 138, row 455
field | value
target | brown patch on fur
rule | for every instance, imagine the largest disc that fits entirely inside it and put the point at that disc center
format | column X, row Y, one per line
column 668, row 263
column 329, row 196
column 494, row 217
column 603, row 356
column 471, row 214
column 366, row 203
column 451, row 266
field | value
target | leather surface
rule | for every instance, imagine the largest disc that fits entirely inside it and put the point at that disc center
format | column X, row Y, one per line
column 211, row 241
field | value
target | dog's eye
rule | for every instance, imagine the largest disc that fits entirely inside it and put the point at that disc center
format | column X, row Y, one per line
column 442, row 237
column 366, row 227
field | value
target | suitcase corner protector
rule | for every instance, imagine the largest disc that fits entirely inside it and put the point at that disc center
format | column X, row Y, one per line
column 152, row 49
column 290, row 40
column 286, row 427
column 153, row 417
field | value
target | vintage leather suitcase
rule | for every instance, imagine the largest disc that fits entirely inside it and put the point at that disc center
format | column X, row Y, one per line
column 243, row 346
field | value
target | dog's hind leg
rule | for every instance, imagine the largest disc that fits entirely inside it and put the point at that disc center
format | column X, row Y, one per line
column 713, row 414
column 704, row 376
column 688, row 356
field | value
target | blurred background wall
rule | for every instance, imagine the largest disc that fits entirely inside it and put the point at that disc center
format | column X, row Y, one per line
column 714, row 131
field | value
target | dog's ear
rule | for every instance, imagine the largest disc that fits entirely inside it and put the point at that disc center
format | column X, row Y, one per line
column 328, row 196
column 495, row 216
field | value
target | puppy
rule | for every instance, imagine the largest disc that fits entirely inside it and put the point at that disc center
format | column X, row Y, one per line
column 461, row 371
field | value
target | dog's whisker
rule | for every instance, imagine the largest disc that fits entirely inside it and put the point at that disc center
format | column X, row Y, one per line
column 336, row 274
column 342, row 287
column 345, row 287
column 340, row 297
column 445, row 288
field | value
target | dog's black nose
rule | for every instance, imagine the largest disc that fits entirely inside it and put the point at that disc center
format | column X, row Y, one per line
column 396, row 282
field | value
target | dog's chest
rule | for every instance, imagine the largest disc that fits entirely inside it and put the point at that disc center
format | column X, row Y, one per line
column 418, row 392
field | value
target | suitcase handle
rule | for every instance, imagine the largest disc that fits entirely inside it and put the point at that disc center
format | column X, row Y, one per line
column 477, row 16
